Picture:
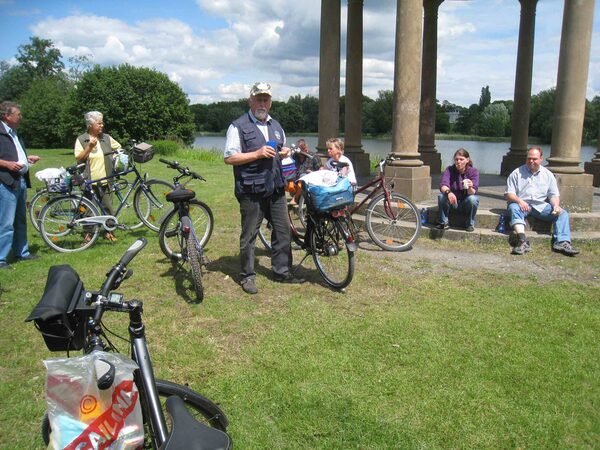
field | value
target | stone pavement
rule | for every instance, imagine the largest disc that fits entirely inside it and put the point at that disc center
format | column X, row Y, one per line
column 584, row 226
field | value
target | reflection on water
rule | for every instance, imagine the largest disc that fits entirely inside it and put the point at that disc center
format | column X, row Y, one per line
column 486, row 156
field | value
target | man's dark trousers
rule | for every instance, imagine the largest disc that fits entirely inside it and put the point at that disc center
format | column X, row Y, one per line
column 253, row 208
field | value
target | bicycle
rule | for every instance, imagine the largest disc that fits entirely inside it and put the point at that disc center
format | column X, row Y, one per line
column 391, row 219
column 72, row 222
column 186, row 229
column 328, row 237
column 70, row 318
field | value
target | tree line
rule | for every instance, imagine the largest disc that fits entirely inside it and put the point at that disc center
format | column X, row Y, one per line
column 143, row 104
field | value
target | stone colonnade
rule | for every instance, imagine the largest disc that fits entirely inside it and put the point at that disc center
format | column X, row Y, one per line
column 413, row 130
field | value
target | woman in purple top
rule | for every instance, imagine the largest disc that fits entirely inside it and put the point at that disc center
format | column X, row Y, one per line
column 458, row 186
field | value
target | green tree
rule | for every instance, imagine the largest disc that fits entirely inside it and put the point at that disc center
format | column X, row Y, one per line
column 14, row 81
column 493, row 121
column 137, row 103
column 467, row 120
column 378, row 114
column 485, row 99
column 592, row 120
column 44, row 106
column 40, row 58
column 289, row 115
column 541, row 115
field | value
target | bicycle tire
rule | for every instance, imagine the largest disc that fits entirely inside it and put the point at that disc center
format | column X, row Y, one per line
column 150, row 203
column 169, row 234
column 60, row 227
column 333, row 258
column 393, row 226
column 193, row 259
column 200, row 407
column 126, row 215
column 35, row 206
column 264, row 234
column 302, row 211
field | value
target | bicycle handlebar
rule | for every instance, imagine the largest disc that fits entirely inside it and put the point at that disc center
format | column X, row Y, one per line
column 184, row 171
column 115, row 275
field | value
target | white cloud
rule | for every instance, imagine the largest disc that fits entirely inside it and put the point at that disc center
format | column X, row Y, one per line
column 278, row 41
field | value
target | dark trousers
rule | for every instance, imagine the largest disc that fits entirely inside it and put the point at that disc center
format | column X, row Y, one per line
column 253, row 209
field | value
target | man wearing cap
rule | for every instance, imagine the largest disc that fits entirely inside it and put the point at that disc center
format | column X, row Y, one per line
column 255, row 147
column 14, row 181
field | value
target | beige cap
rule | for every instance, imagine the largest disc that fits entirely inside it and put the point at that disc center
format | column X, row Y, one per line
column 260, row 88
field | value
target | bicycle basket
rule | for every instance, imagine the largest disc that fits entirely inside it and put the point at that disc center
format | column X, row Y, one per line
column 142, row 152
column 62, row 324
column 57, row 185
column 327, row 198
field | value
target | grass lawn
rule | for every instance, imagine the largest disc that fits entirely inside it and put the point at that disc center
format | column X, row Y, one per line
column 408, row 357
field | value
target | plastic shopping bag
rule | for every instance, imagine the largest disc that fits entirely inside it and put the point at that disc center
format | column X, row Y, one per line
column 85, row 416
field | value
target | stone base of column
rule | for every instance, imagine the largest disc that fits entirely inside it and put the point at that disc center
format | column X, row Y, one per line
column 413, row 182
column 433, row 160
column 510, row 162
column 593, row 168
column 360, row 161
column 576, row 191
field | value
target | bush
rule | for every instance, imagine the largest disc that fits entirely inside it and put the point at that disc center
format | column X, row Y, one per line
column 165, row 147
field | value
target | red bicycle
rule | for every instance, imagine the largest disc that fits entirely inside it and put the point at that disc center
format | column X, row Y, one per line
column 391, row 219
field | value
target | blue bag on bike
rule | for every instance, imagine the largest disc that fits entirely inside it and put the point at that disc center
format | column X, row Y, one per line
column 326, row 198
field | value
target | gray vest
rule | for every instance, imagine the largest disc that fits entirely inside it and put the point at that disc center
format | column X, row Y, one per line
column 263, row 176
column 104, row 141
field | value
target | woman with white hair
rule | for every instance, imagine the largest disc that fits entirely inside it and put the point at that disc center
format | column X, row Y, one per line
column 95, row 149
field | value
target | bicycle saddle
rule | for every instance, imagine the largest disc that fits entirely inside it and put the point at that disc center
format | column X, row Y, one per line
column 339, row 164
column 189, row 434
column 180, row 195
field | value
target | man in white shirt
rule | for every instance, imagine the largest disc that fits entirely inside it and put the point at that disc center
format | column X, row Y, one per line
column 14, row 181
column 531, row 189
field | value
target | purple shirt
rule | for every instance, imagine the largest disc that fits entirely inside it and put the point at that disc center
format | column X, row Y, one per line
column 454, row 180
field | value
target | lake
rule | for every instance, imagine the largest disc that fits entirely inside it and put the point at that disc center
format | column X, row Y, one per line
column 486, row 156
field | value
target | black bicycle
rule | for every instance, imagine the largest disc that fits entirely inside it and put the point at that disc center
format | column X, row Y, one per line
column 186, row 229
column 73, row 221
column 70, row 318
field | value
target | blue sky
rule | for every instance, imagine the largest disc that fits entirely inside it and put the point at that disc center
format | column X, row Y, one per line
column 215, row 49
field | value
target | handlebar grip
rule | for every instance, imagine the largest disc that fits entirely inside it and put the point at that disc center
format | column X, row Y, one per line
column 133, row 250
column 162, row 160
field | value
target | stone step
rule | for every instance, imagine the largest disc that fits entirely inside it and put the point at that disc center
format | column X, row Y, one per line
column 488, row 218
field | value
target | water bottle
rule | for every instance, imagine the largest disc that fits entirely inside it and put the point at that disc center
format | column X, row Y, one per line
column 501, row 228
column 423, row 216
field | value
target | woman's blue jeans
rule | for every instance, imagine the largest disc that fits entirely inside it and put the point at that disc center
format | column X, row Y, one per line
column 467, row 206
column 561, row 229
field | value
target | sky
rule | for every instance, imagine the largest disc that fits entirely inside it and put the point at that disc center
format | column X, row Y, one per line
column 216, row 49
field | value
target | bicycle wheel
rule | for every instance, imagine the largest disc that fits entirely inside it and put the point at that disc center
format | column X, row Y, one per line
column 264, row 234
column 201, row 408
column 65, row 225
column 150, row 203
column 393, row 225
column 193, row 259
column 38, row 201
column 169, row 235
column 334, row 261
column 126, row 213
column 301, row 211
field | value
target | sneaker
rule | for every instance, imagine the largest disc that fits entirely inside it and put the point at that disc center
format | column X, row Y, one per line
column 249, row 285
column 289, row 279
column 469, row 228
column 565, row 247
column 4, row 265
column 442, row 226
column 521, row 248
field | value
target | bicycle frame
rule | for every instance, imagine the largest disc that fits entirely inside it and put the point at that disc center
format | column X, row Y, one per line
column 379, row 183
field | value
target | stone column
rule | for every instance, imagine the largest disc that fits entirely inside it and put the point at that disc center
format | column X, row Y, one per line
column 429, row 154
column 329, row 73
column 593, row 167
column 522, row 99
column 354, row 79
column 410, row 176
column 576, row 190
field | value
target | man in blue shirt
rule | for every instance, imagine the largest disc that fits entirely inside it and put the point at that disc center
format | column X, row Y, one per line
column 14, row 181
column 531, row 189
